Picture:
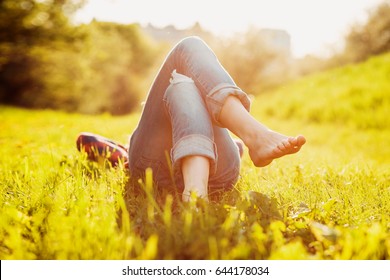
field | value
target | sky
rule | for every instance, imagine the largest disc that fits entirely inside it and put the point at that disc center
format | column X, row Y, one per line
column 315, row 26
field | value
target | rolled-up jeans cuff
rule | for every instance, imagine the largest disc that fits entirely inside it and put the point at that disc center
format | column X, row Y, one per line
column 218, row 95
column 194, row 145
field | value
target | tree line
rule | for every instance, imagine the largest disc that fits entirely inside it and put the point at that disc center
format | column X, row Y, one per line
column 48, row 62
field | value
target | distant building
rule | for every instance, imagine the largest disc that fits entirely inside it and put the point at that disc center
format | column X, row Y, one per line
column 172, row 35
column 276, row 39
column 168, row 33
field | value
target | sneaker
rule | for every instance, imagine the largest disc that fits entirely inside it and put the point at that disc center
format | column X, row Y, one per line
column 99, row 149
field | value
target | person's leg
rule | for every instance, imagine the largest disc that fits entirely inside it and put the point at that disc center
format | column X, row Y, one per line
column 195, row 170
column 229, row 106
column 153, row 137
column 193, row 154
column 264, row 144
column 152, row 140
column 228, row 163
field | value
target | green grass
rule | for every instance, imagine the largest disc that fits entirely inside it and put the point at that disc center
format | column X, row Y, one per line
column 356, row 95
column 330, row 201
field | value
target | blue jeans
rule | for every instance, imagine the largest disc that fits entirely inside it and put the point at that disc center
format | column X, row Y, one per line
column 181, row 118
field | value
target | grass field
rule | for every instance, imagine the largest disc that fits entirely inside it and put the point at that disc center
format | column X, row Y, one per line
column 330, row 201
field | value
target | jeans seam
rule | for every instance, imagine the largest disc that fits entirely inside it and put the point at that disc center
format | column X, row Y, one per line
column 196, row 135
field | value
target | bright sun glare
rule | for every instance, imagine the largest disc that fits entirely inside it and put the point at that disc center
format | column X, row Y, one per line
column 314, row 26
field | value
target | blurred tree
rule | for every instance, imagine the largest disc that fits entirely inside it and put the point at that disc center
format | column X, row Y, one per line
column 105, row 70
column 370, row 38
column 253, row 60
column 363, row 40
column 46, row 62
column 25, row 24
column 132, row 82
column 120, row 58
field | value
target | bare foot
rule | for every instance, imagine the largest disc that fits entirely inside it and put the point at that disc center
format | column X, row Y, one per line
column 264, row 144
column 268, row 145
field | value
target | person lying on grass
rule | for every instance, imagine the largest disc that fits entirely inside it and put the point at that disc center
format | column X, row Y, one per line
column 183, row 133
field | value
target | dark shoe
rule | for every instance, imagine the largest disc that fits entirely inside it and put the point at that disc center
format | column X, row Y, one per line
column 99, row 148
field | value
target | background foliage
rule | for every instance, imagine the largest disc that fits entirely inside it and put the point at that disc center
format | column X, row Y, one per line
column 48, row 62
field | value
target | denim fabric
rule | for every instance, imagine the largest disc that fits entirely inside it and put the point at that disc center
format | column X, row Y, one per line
column 181, row 118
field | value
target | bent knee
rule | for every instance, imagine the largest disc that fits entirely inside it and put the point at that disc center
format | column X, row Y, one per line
column 191, row 43
column 191, row 40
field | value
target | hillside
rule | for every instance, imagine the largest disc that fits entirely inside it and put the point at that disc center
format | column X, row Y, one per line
column 354, row 95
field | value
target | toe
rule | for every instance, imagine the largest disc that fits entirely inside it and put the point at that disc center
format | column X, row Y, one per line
column 293, row 141
column 297, row 141
column 296, row 149
column 301, row 140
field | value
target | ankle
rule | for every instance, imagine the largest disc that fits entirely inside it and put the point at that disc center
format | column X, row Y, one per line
column 253, row 133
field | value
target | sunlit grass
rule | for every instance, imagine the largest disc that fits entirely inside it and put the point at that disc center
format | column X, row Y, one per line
column 356, row 95
column 330, row 201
